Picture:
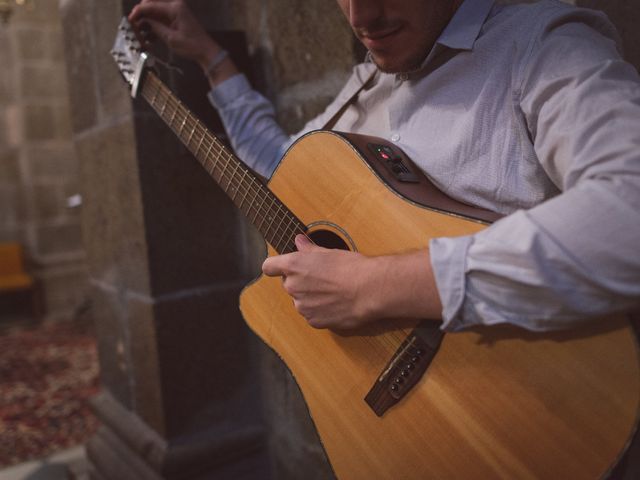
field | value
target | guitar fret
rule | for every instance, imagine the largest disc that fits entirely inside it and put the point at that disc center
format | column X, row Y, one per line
column 282, row 217
column 269, row 218
column 200, row 143
column 164, row 106
column 173, row 115
column 228, row 176
column 192, row 132
column 244, row 176
column 252, row 204
column 155, row 95
column 259, row 227
column 296, row 228
column 223, row 172
column 219, row 167
column 207, row 158
column 235, row 172
column 291, row 231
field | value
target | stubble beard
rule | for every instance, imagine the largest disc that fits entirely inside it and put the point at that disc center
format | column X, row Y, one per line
column 410, row 65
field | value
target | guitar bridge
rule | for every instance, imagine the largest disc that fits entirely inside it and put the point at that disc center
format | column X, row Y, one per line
column 406, row 367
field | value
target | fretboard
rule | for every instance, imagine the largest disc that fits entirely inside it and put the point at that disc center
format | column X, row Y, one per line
column 271, row 217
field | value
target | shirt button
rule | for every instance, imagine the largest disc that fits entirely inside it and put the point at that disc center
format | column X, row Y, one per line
column 395, row 137
column 403, row 77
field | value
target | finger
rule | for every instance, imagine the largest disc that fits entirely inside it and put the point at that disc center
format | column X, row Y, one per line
column 275, row 266
column 158, row 10
column 303, row 243
column 160, row 30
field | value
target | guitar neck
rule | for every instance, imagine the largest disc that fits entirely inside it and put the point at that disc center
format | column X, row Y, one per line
column 277, row 224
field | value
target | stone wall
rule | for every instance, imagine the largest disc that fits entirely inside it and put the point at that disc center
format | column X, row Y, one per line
column 38, row 166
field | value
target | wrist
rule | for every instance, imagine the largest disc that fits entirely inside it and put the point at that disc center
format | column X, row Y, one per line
column 374, row 289
column 217, row 66
column 209, row 51
column 403, row 286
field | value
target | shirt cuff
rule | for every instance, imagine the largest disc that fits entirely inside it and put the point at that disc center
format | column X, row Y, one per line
column 448, row 261
column 229, row 90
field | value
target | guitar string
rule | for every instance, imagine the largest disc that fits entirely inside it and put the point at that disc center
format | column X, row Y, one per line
column 390, row 339
column 284, row 228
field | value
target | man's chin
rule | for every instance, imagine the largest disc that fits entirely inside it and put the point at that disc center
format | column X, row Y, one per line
column 387, row 64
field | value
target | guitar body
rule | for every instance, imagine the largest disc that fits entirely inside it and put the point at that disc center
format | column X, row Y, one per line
column 496, row 402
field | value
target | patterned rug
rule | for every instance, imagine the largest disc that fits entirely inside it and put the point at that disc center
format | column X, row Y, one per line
column 47, row 375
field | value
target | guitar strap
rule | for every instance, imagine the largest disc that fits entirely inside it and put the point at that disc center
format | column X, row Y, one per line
column 336, row 116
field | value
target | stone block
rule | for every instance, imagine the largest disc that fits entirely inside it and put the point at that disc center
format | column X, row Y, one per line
column 48, row 202
column 32, row 43
column 55, row 42
column 6, row 53
column 66, row 290
column 209, row 373
column 39, row 122
column 9, row 167
column 110, row 311
column 6, row 73
column 78, row 47
column 112, row 214
column 7, row 94
column 10, row 206
column 11, row 126
column 283, row 39
column 59, row 239
column 11, row 233
column 128, row 353
column 36, row 13
column 47, row 82
column 63, row 129
column 55, row 161
column 297, row 28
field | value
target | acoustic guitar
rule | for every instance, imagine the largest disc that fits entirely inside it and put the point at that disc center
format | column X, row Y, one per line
column 403, row 400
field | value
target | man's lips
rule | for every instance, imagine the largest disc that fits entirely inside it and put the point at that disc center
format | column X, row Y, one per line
column 379, row 39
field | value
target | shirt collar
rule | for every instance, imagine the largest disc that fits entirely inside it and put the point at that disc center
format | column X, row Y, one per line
column 464, row 28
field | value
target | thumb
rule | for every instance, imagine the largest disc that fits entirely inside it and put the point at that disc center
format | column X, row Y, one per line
column 304, row 244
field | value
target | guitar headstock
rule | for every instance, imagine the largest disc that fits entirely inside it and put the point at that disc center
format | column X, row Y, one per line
column 128, row 54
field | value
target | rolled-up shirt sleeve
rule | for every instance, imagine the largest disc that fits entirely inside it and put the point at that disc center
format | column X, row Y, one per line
column 575, row 256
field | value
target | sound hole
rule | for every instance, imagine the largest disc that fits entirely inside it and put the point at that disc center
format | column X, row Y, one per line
column 328, row 239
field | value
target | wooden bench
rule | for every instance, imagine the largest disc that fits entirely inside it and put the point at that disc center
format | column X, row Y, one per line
column 13, row 276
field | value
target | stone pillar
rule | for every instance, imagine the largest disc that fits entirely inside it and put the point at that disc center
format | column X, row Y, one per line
column 166, row 258
column 38, row 166
column 185, row 383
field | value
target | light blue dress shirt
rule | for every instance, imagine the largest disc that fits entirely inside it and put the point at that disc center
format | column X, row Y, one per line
column 527, row 110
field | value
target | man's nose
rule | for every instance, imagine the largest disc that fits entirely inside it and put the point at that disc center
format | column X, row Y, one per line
column 365, row 13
